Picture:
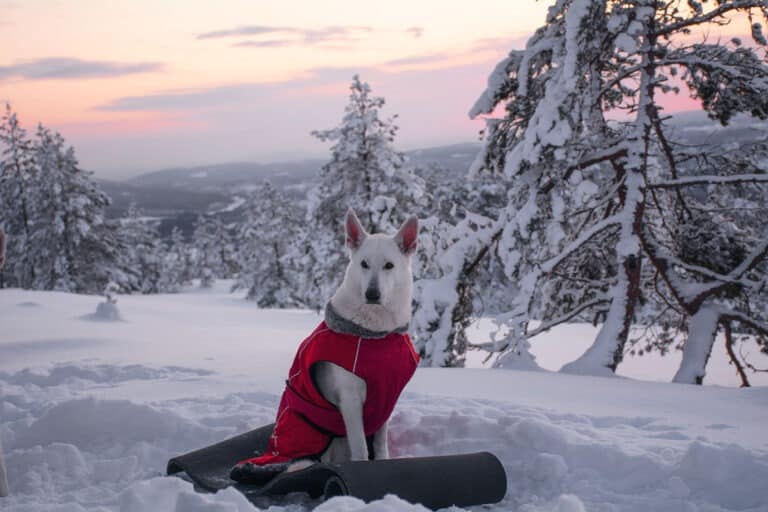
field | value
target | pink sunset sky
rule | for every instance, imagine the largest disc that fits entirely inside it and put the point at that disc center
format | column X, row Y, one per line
column 144, row 84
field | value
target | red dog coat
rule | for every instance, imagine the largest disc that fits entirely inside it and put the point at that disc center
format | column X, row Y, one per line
column 306, row 422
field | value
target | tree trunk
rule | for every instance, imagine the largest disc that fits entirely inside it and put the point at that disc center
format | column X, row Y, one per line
column 702, row 329
column 605, row 354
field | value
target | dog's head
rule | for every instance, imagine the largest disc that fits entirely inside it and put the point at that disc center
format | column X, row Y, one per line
column 378, row 282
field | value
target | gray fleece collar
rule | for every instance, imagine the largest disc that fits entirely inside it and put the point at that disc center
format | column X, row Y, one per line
column 338, row 323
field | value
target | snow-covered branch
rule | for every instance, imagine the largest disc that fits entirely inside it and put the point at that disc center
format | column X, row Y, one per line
column 737, row 316
column 586, row 236
column 711, row 180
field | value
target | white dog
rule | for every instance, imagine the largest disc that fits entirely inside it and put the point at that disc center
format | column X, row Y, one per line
column 348, row 374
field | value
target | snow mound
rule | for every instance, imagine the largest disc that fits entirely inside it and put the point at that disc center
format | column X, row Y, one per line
column 101, row 374
column 105, row 312
column 727, row 475
column 564, row 503
column 568, row 463
column 176, row 495
column 28, row 304
column 92, row 423
column 388, row 503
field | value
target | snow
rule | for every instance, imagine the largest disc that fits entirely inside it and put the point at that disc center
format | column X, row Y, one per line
column 91, row 411
column 237, row 202
column 626, row 43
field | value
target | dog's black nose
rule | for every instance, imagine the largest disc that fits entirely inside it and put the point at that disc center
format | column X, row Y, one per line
column 372, row 295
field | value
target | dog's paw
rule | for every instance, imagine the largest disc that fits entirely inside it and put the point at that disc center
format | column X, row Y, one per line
column 249, row 473
column 300, row 464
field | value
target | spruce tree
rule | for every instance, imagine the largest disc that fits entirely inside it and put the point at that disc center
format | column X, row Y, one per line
column 18, row 175
column 70, row 210
column 268, row 252
column 214, row 254
column 176, row 272
column 142, row 251
column 55, row 215
column 365, row 173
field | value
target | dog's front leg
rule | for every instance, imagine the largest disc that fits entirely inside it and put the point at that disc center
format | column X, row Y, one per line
column 351, row 409
column 380, row 444
column 346, row 391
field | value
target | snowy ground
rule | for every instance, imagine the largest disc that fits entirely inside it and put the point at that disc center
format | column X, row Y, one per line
column 91, row 410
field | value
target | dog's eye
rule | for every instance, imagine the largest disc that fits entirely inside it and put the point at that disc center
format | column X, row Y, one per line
column 389, row 265
column 364, row 264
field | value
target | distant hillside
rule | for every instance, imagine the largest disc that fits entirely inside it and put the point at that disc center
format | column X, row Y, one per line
column 294, row 177
column 227, row 177
column 177, row 196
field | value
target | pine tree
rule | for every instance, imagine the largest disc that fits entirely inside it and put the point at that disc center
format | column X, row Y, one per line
column 365, row 173
column 70, row 210
column 142, row 252
column 17, row 175
column 268, row 257
column 214, row 252
column 177, row 271
column 587, row 205
column 60, row 239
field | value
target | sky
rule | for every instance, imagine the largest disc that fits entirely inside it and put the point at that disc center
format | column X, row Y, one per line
column 139, row 85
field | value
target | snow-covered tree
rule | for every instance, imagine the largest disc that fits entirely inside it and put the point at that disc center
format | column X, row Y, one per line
column 214, row 254
column 17, row 176
column 456, row 279
column 365, row 173
column 70, row 211
column 54, row 213
column 176, row 267
column 143, row 251
column 444, row 294
column 267, row 250
column 584, row 193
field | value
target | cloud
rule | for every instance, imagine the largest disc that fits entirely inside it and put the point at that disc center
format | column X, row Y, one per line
column 70, row 68
column 431, row 58
column 299, row 36
column 235, row 95
column 268, row 43
column 251, row 30
column 190, row 99
column 416, row 32
column 227, row 95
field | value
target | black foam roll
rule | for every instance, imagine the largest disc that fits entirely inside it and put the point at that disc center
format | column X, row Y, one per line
column 435, row 482
column 209, row 467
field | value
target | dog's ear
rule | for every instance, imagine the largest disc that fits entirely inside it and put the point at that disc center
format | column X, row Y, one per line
column 406, row 238
column 355, row 232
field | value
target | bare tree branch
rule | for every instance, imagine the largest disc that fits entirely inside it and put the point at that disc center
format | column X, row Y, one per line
column 709, row 16
column 732, row 355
